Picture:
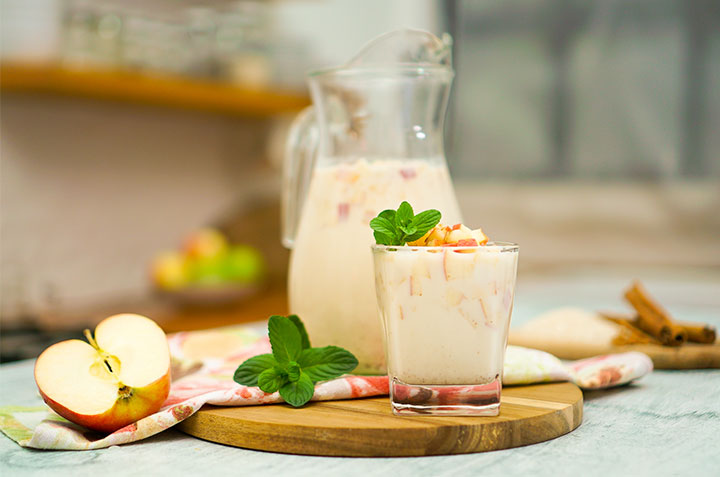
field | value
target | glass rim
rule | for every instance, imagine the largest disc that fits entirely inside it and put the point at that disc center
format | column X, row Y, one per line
column 493, row 246
column 418, row 69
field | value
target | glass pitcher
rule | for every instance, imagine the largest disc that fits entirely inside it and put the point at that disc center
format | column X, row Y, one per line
column 373, row 138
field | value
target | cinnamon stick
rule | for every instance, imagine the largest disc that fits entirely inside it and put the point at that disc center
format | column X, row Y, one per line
column 629, row 332
column 653, row 319
column 699, row 332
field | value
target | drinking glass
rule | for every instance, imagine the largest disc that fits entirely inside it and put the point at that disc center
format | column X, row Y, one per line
column 445, row 314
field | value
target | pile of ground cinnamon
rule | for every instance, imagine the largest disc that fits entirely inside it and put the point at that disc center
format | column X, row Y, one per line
column 652, row 324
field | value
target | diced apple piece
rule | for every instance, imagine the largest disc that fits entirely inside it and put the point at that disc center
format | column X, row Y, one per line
column 437, row 235
column 419, row 272
column 457, row 265
column 343, row 211
column 422, row 241
column 461, row 233
column 466, row 243
column 454, row 297
column 478, row 235
column 415, row 286
column 451, row 236
column 408, row 173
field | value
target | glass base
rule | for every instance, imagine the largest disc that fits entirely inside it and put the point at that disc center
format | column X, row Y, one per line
column 445, row 400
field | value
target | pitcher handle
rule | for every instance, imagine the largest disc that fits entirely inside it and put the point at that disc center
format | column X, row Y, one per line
column 300, row 155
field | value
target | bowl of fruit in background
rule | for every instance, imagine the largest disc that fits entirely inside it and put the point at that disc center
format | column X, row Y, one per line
column 208, row 271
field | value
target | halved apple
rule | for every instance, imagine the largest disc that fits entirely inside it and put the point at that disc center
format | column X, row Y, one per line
column 119, row 377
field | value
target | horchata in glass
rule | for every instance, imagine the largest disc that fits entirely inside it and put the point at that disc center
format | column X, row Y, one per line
column 445, row 313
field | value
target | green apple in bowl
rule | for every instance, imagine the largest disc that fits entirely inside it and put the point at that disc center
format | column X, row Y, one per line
column 244, row 264
column 120, row 376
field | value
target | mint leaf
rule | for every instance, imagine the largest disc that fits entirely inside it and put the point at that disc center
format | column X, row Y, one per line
column 398, row 227
column 409, row 230
column 330, row 362
column 427, row 219
column 247, row 373
column 384, row 226
column 293, row 372
column 304, row 338
column 404, row 214
column 293, row 367
column 424, row 221
column 388, row 214
column 415, row 236
column 383, row 239
column 298, row 393
column 272, row 379
column 285, row 339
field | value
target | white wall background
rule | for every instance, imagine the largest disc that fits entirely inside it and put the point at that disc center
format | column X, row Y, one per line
column 336, row 29
column 90, row 191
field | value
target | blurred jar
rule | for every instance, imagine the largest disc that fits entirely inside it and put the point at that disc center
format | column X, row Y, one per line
column 107, row 48
column 78, row 33
column 136, row 39
column 201, row 26
column 157, row 41
column 241, row 41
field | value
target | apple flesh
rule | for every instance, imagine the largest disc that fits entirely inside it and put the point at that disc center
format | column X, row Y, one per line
column 119, row 377
column 457, row 233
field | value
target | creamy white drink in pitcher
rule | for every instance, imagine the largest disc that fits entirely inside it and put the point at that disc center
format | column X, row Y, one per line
column 373, row 138
column 331, row 283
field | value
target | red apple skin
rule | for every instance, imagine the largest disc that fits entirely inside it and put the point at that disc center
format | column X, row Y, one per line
column 445, row 270
column 144, row 401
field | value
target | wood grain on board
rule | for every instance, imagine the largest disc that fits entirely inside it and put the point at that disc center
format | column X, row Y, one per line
column 367, row 427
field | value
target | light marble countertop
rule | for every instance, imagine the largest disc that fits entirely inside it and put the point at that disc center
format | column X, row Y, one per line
column 668, row 423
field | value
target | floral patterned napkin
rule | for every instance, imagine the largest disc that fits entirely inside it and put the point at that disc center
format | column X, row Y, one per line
column 204, row 363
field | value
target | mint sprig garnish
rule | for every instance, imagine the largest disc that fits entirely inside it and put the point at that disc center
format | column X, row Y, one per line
column 398, row 227
column 294, row 366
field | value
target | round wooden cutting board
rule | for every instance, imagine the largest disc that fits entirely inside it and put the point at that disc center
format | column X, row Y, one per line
column 367, row 427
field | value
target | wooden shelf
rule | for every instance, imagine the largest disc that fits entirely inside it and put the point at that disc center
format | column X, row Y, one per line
column 141, row 88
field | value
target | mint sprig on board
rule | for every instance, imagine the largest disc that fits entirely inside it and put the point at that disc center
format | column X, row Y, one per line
column 398, row 227
column 294, row 366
